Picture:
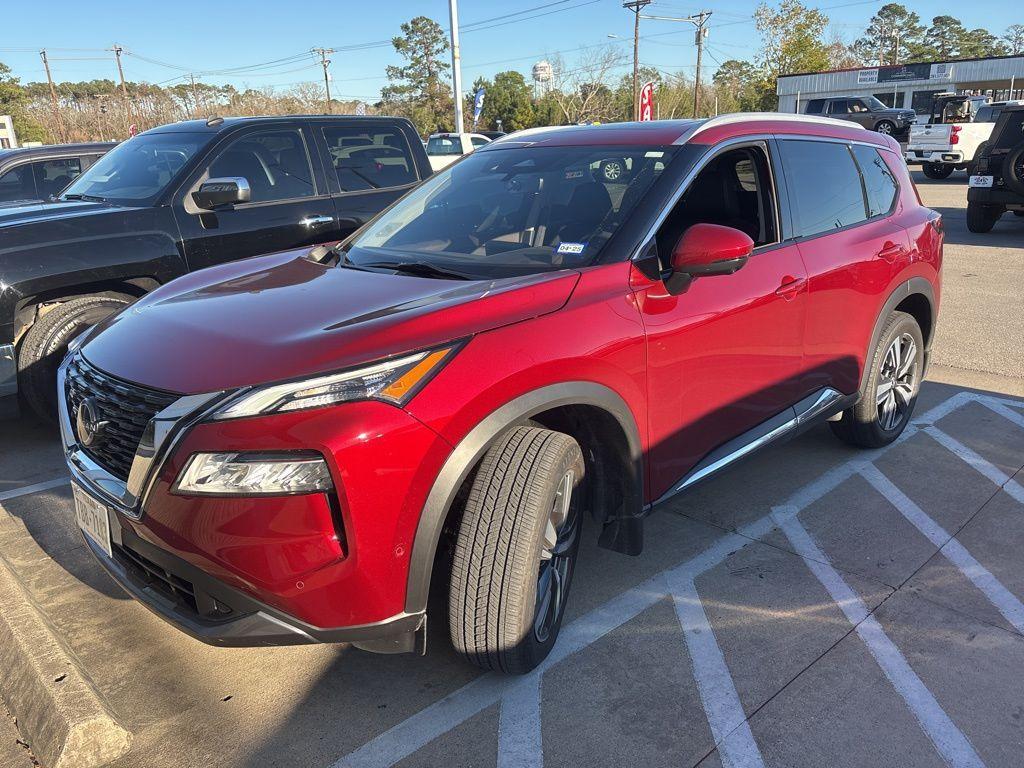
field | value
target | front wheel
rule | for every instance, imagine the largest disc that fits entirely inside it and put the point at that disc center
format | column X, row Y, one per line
column 937, row 170
column 516, row 550
column 981, row 217
column 885, row 127
column 890, row 392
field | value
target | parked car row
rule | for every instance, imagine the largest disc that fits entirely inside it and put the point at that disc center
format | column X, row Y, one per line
column 564, row 329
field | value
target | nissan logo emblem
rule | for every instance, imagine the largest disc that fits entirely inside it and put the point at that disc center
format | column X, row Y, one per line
column 88, row 423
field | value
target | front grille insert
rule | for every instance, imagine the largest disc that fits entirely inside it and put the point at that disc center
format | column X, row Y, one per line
column 125, row 407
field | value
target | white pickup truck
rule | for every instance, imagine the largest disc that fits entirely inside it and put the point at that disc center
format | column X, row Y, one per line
column 443, row 149
column 951, row 139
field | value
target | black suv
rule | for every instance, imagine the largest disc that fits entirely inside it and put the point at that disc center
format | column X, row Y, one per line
column 179, row 198
column 865, row 110
column 997, row 178
column 31, row 174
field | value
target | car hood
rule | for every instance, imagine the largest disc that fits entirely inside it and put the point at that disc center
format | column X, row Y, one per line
column 286, row 316
column 19, row 213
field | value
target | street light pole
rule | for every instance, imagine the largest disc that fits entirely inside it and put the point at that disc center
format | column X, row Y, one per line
column 453, row 13
column 635, row 6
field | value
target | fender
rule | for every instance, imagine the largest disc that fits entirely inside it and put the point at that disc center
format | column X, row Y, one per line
column 915, row 285
column 472, row 447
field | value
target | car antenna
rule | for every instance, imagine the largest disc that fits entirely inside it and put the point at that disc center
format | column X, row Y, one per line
column 212, row 121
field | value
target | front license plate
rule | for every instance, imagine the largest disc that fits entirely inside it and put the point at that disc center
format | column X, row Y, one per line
column 980, row 181
column 92, row 518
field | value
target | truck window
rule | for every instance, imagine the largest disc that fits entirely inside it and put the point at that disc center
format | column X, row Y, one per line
column 815, row 106
column 369, row 157
column 53, row 175
column 275, row 163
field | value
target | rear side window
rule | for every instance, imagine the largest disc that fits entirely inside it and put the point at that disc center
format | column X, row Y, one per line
column 815, row 106
column 369, row 157
column 824, row 185
column 879, row 183
column 53, row 175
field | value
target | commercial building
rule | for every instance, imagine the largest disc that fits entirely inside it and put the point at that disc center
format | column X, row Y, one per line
column 908, row 86
column 7, row 137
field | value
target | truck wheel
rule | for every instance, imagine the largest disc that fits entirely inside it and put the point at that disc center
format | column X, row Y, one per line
column 1013, row 170
column 981, row 218
column 890, row 393
column 937, row 170
column 516, row 549
column 885, row 127
column 46, row 343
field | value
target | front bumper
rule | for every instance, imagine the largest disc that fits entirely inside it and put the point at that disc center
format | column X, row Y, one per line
column 216, row 614
column 928, row 156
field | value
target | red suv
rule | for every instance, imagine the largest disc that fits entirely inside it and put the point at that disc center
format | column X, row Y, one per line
column 297, row 448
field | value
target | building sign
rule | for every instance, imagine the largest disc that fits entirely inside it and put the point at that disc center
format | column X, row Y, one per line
column 867, row 77
column 942, row 71
column 903, row 72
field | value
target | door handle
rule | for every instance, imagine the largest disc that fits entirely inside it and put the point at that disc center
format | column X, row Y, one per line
column 790, row 287
column 315, row 221
column 890, row 252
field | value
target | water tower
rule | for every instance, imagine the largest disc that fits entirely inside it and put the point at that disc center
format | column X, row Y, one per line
column 542, row 74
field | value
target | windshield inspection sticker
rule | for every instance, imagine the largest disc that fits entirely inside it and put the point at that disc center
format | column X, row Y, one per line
column 571, row 247
column 574, row 174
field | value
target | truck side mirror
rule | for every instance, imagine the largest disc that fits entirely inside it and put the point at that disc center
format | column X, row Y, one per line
column 220, row 192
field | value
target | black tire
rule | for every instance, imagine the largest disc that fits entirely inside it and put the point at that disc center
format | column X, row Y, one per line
column 1013, row 170
column 937, row 170
column 885, row 126
column 866, row 425
column 46, row 343
column 981, row 217
column 497, row 566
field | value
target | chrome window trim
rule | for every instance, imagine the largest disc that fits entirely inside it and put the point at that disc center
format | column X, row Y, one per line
column 163, row 433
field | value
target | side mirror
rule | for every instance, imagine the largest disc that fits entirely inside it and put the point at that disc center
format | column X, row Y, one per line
column 217, row 193
column 704, row 250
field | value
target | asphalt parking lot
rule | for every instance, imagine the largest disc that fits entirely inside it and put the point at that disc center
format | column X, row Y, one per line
column 816, row 606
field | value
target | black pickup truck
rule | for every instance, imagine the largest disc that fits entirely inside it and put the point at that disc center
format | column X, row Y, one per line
column 179, row 198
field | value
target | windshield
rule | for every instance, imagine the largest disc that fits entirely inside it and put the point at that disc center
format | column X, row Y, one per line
column 444, row 145
column 139, row 169
column 506, row 212
column 874, row 104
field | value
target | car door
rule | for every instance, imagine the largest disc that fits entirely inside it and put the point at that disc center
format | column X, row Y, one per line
column 369, row 165
column 290, row 205
column 725, row 355
column 850, row 247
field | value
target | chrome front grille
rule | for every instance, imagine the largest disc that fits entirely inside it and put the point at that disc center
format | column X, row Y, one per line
column 125, row 408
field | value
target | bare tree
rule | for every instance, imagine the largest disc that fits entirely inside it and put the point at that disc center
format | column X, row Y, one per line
column 582, row 92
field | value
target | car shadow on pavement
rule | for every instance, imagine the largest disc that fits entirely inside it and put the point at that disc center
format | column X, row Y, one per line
column 1007, row 233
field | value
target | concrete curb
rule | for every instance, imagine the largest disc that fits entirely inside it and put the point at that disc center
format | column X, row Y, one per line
column 60, row 713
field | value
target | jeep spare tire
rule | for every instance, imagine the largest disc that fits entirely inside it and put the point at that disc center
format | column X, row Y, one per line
column 1013, row 169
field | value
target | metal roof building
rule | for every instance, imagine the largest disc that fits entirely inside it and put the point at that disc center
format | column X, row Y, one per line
column 907, row 85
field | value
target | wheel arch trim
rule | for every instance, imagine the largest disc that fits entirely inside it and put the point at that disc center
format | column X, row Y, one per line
column 471, row 448
column 915, row 285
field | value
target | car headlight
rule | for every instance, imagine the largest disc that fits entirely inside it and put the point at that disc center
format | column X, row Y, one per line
column 394, row 381
column 253, row 474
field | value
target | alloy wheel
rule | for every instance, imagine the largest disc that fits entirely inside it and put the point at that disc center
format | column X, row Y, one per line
column 612, row 171
column 556, row 555
column 896, row 381
column 884, row 128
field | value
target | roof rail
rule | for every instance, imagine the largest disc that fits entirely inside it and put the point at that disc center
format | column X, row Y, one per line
column 744, row 117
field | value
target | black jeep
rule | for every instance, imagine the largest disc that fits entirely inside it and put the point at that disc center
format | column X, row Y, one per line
column 997, row 182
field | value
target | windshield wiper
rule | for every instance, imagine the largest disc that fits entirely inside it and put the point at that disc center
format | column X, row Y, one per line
column 418, row 268
column 88, row 198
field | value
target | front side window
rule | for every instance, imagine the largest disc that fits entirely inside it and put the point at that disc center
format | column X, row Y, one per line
column 733, row 190
column 369, row 157
column 824, row 185
column 879, row 182
column 139, row 169
column 856, row 105
column 506, row 212
column 17, row 184
column 53, row 175
column 275, row 163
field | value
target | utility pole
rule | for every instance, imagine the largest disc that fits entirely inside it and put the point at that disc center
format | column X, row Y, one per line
column 325, row 62
column 124, row 88
column 53, row 97
column 699, row 21
column 195, row 94
column 453, row 13
column 636, row 6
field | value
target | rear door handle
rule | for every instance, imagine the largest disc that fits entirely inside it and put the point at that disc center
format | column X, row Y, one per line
column 315, row 221
column 890, row 252
column 790, row 287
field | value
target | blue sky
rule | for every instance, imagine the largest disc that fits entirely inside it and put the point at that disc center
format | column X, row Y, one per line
column 208, row 36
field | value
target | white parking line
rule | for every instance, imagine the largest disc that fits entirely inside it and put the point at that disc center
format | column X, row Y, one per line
column 26, row 490
column 1004, row 600
column 985, row 467
column 519, row 725
column 728, row 721
column 406, row 737
column 950, row 742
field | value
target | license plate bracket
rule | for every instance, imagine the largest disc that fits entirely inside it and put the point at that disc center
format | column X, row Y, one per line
column 93, row 517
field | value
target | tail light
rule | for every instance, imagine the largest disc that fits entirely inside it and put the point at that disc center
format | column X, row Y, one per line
column 954, row 134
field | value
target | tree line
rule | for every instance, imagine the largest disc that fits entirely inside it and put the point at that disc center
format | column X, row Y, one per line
column 793, row 38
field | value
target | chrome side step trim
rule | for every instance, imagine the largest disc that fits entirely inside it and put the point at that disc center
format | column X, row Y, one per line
column 803, row 413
